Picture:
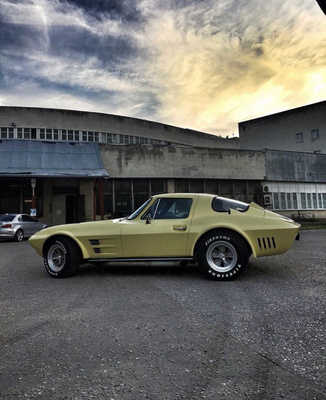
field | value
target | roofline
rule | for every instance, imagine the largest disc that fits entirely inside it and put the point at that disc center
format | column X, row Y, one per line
column 301, row 108
column 199, row 133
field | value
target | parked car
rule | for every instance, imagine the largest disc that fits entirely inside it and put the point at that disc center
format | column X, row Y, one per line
column 220, row 233
column 18, row 226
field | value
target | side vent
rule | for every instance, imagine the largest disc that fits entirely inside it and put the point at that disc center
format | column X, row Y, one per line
column 266, row 243
column 94, row 242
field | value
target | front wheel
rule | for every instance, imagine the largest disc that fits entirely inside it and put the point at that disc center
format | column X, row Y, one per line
column 223, row 255
column 61, row 258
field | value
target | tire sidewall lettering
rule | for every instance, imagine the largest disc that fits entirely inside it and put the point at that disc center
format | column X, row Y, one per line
column 217, row 237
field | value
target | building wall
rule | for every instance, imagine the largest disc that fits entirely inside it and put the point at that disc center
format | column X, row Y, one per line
column 299, row 129
column 295, row 167
column 182, row 162
column 36, row 118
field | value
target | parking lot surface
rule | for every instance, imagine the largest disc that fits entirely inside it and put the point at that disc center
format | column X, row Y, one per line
column 141, row 331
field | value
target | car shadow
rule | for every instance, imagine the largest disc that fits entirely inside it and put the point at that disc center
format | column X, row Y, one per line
column 137, row 269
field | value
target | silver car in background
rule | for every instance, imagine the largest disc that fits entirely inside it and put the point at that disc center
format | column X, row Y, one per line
column 18, row 226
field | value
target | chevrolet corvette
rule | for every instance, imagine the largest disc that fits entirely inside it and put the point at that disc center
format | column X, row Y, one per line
column 220, row 234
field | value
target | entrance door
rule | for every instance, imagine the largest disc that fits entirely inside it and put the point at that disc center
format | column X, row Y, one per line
column 71, row 209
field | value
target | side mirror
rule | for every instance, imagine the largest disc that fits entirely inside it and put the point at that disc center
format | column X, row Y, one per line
column 148, row 218
column 229, row 211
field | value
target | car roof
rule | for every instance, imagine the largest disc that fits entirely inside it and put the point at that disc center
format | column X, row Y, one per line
column 184, row 195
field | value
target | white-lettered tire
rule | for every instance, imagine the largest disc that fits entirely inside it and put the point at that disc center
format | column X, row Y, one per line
column 223, row 255
column 61, row 257
column 19, row 235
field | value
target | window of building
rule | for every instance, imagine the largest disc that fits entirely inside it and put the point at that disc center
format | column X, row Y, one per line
column 309, row 205
column 303, row 200
column 27, row 133
column 3, row 133
column 141, row 191
column 95, row 136
column 158, row 186
column 49, row 134
column 211, row 187
column 289, row 201
column 64, row 134
column 295, row 201
column 181, row 186
column 55, row 134
column 84, row 136
column 114, row 138
column 76, row 136
column 299, row 137
column 70, row 135
column 283, row 201
column 314, row 200
column 11, row 133
column 320, row 201
column 91, row 136
column 42, row 133
column 314, row 134
column 33, row 133
column 324, row 199
column 196, row 186
column 123, row 197
column 276, row 201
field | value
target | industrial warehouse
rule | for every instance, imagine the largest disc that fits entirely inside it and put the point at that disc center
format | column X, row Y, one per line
column 73, row 166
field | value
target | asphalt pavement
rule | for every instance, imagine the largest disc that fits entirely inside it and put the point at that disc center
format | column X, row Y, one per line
column 142, row 331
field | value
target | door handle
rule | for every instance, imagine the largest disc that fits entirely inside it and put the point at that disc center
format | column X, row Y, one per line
column 179, row 227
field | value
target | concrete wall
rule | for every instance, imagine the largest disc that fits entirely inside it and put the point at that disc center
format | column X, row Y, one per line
column 155, row 161
column 80, row 120
column 278, row 131
column 296, row 167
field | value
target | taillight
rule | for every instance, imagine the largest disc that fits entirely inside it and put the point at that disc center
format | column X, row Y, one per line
column 6, row 226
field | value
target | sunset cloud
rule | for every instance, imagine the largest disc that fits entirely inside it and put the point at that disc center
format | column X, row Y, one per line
column 203, row 65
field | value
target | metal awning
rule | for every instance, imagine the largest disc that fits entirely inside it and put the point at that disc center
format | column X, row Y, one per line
column 50, row 159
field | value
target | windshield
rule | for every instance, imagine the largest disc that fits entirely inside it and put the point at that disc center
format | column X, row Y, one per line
column 221, row 204
column 7, row 217
column 139, row 210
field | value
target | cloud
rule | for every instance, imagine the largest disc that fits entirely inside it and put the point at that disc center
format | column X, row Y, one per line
column 199, row 64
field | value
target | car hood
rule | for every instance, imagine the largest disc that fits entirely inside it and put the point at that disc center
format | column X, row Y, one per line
column 93, row 227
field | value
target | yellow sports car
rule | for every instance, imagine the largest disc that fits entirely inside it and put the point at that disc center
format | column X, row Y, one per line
column 219, row 233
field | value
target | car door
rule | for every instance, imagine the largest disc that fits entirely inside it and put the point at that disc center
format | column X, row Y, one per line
column 26, row 225
column 35, row 225
column 162, row 231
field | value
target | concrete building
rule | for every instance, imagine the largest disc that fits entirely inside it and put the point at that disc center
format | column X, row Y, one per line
column 88, row 165
column 301, row 129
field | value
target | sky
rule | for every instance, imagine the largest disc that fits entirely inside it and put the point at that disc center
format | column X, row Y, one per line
column 198, row 64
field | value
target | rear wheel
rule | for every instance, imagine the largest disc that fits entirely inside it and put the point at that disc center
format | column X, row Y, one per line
column 223, row 255
column 19, row 236
column 61, row 258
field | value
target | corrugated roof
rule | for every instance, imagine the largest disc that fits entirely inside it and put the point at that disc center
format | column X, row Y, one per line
column 36, row 158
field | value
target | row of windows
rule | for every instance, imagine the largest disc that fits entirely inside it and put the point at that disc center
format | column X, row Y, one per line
column 71, row 135
column 299, row 201
column 314, row 135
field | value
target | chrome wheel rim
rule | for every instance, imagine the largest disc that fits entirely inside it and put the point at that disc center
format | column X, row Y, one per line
column 221, row 256
column 56, row 257
column 20, row 236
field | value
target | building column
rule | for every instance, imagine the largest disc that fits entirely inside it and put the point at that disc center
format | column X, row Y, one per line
column 171, row 186
column 101, row 196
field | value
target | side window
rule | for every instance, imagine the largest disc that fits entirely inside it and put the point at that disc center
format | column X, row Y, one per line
column 169, row 208
column 27, row 218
